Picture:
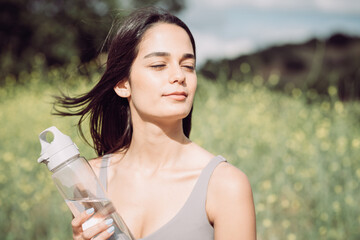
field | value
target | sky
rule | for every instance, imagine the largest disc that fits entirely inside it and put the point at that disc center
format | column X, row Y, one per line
column 230, row 28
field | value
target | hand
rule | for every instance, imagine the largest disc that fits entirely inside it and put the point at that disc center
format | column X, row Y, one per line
column 103, row 230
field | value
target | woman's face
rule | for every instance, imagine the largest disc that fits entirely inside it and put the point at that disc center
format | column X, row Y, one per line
column 163, row 79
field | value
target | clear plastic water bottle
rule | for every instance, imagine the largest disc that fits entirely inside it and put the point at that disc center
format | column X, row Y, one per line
column 77, row 182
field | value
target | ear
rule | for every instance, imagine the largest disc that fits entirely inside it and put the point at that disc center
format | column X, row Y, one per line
column 122, row 88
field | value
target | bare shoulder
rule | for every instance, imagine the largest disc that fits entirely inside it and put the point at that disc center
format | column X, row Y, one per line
column 230, row 182
column 230, row 204
column 95, row 164
column 197, row 156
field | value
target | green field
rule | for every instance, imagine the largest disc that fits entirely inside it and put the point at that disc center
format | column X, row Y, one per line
column 302, row 159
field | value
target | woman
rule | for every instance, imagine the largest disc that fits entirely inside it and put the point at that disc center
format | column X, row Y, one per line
column 162, row 184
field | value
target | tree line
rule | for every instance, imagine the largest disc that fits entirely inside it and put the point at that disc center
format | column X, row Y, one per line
column 61, row 30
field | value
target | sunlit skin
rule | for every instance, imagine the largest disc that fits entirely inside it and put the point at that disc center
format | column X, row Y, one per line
column 163, row 79
column 150, row 182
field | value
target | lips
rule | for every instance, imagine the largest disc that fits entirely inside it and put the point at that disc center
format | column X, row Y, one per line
column 178, row 95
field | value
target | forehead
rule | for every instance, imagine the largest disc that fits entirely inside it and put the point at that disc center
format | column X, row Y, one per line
column 165, row 37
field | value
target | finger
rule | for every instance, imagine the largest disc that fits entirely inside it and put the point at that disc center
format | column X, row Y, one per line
column 105, row 234
column 77, row 222
column 99, row 229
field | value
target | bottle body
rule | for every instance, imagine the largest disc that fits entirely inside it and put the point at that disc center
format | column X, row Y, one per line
column 79, row 186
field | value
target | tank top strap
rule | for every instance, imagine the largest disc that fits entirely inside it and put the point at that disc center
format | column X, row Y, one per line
column 201, row 186
column 196, row 203
column 105, row 161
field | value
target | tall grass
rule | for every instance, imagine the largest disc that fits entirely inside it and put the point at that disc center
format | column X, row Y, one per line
column 302, row 160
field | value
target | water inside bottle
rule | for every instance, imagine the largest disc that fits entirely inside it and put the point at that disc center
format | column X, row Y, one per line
column 104, row 209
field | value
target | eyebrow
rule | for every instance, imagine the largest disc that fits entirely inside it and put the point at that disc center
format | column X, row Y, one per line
column 166, row 54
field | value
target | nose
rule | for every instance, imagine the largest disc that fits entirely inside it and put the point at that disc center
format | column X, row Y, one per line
column 177, row 75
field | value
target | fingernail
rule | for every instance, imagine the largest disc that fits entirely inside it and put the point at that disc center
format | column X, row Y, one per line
column 111, row 229
column 90, row 211
column 109, row 221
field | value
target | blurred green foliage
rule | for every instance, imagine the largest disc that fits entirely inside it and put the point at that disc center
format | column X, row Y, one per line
column 62, row 31
column 302, row 160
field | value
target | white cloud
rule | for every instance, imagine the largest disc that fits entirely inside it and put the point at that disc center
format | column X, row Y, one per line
column 334, row 6
column 256, row 3
column 214, row 47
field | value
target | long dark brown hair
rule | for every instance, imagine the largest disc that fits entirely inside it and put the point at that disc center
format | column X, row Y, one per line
column 109, row 114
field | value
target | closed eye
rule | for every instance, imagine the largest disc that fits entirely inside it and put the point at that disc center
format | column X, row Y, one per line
column 189, row 67
column 158, row 66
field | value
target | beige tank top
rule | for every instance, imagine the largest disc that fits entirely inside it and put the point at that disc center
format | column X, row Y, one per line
column 191, row 222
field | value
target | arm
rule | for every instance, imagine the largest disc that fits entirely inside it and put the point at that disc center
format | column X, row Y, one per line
column 230, row 204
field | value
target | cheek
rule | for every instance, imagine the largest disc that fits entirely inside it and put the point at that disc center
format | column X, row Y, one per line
column 192, row 85
column 143, row 93
column 139, row 83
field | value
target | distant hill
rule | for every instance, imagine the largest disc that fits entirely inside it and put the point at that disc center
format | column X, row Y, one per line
column 315, row 64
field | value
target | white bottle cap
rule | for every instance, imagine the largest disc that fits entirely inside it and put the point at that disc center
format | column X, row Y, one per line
column 61, row 149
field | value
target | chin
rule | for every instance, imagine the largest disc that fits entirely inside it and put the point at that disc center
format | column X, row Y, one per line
column 176, row 115
column 183, row 112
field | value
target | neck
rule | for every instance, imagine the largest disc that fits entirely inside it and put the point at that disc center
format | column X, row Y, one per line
column 155, row 145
